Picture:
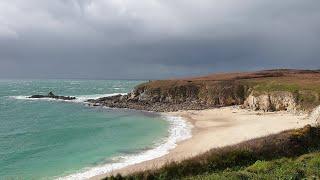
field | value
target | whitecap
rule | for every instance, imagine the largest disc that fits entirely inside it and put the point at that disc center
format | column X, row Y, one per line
column 83, row 98
column 79, row 98
column 19, row 97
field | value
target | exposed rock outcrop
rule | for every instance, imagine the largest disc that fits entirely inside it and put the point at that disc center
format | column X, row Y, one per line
column 315, row 115
column 272, row 101
column 191, row 98
column 52, row 96
column 188, row 96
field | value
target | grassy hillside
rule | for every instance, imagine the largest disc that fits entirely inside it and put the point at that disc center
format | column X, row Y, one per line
column 272, row 156
column 233, row 88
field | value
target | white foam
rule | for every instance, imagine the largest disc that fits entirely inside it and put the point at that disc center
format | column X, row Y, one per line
column 34, row 99
column 79, row 99
column 179, row 130
column 83, row 98
column 19, row 97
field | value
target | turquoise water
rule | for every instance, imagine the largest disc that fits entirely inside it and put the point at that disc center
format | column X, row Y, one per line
column 41, row 139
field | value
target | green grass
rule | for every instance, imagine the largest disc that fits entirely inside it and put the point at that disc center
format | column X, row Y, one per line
column 282, row 84
column 275, row 86
column 306, row 166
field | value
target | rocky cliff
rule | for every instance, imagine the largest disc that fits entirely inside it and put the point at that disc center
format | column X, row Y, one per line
column 185, row 96
column 270, row 90
column 272, row 101
column 315, row 115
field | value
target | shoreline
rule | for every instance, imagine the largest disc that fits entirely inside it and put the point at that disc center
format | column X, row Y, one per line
column 214, row 128
column 210, row 128
column 179, row 130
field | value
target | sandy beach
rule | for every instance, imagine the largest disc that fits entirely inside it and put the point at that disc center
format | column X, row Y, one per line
column 221, row 127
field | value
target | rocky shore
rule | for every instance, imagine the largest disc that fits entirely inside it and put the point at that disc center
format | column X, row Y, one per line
column 267, row 102
column 124, row 101
column 271, row 90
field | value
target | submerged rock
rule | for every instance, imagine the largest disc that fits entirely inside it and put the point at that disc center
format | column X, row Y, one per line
column 53, row 96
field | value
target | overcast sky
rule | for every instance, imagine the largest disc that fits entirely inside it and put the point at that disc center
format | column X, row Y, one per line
column 145, row 39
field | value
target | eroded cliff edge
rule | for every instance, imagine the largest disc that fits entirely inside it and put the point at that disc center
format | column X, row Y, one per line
column 269, row 90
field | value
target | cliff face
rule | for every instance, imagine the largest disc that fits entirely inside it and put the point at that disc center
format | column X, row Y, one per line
column 210, row 94
column 186, row 96
column 315, row 115
column 263, row 90
column 273, row 101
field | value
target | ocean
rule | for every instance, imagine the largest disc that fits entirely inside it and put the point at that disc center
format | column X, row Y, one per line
column 54, row 139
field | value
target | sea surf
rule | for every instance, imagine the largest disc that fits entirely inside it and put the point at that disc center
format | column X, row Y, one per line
column 50, row 139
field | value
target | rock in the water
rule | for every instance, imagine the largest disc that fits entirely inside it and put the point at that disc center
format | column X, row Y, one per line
column 51, row 95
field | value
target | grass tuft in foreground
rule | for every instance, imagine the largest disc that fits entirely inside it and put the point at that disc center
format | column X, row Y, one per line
column 306, row 166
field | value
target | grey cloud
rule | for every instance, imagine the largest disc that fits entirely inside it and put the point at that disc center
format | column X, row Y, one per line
column 155, row 39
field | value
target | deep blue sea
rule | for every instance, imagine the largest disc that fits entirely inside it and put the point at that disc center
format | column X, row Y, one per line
column 48, row 139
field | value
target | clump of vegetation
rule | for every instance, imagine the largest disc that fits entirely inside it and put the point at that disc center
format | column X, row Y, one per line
column 251, row 159
column 306, row 166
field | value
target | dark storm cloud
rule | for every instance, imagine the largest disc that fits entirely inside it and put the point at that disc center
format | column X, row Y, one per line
column 155, row 38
